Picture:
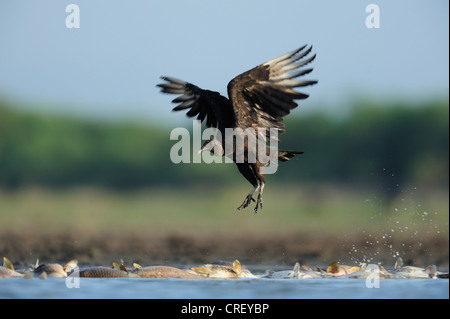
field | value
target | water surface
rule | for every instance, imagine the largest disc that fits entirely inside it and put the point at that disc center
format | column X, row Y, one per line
column 261, row 288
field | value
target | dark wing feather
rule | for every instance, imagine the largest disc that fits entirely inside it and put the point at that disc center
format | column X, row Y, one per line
column 205, row 104
column 262, row 96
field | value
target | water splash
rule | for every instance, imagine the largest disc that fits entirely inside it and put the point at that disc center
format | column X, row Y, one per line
column 396, row 230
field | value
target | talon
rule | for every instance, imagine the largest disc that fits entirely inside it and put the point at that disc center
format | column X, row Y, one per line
column 258, row 203
column 246, row 202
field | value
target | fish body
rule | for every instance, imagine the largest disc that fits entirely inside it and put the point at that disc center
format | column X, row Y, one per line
column 54, row 270
column 7, row 270
column 370, row 271
column 413, row 272
column 297, row 273
column 285, row 274
column 410, row 271
column 282, row 274
column 223, row 270
column 417, row 272
column 165, row 272
column 338, row 270
column 51, row 270
column 8, row 273
column 101, row 272
column 313, row 274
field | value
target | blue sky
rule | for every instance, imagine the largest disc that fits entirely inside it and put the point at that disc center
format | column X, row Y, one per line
column 110, row 65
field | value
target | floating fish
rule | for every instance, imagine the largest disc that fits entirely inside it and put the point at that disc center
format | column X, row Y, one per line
column 116, row 271
column 7, row 270
column 284, row 274
column 297, row 273
column 338, row 270
column 433, row 273
column 51, row 270
column 412, row 271
column 223, row 269
column 164, row 272
column 101, row 272
column 370, row 271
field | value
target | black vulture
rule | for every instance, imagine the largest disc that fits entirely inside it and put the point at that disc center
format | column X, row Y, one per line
column 258, row 100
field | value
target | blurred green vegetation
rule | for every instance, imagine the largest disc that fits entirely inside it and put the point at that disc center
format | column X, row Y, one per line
column 309, row 209
column 386, row 148
column 372, row 183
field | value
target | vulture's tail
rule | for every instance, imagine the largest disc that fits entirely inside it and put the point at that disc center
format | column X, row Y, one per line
column 285, row 156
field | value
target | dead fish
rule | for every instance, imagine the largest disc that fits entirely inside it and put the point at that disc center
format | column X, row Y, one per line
column 52, row 270
column 101, row 272
column 223, row 270
column 116, row 271
column 7, row 270
column 415, row 272
column 409, row 271
column 370, row 271
column 285, row 274
column 310, row 274
column 163, row 272
column 338, row 270
column 433, row 273
column 297, row 273
column 412, row 272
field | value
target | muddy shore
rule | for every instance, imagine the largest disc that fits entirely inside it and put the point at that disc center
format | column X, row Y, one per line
column 190, row 249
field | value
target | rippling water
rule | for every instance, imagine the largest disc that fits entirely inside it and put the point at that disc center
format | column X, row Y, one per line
column 261, row 288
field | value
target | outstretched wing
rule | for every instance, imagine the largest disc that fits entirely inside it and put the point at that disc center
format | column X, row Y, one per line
column 205, row 104
column 262, row 96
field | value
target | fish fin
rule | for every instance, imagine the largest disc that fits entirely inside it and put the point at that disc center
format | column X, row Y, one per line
column 137, row 266
column 7, row 263
column 296, row 268
column 307, row 268
column 333, row 268
column 398, row 263
column 382, row 270
column 201, row 270
column 269, row 273
column 237, row 266
column 43, row 276
column 70, row 265
column 123, row 268
column 28, row 274
column 115, row 265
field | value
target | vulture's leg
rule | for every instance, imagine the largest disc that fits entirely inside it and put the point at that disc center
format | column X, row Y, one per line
column 247, row 171
column 259, row 202
column 249, row 198
column 262, row 181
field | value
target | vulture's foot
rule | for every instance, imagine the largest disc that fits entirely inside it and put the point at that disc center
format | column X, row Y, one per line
column 258, row 203
column 246, row 202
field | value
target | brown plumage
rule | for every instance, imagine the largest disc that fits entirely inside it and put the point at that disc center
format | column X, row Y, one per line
column 258, row 100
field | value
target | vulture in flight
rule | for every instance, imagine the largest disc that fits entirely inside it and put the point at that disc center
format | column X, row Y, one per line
column 258, row 100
